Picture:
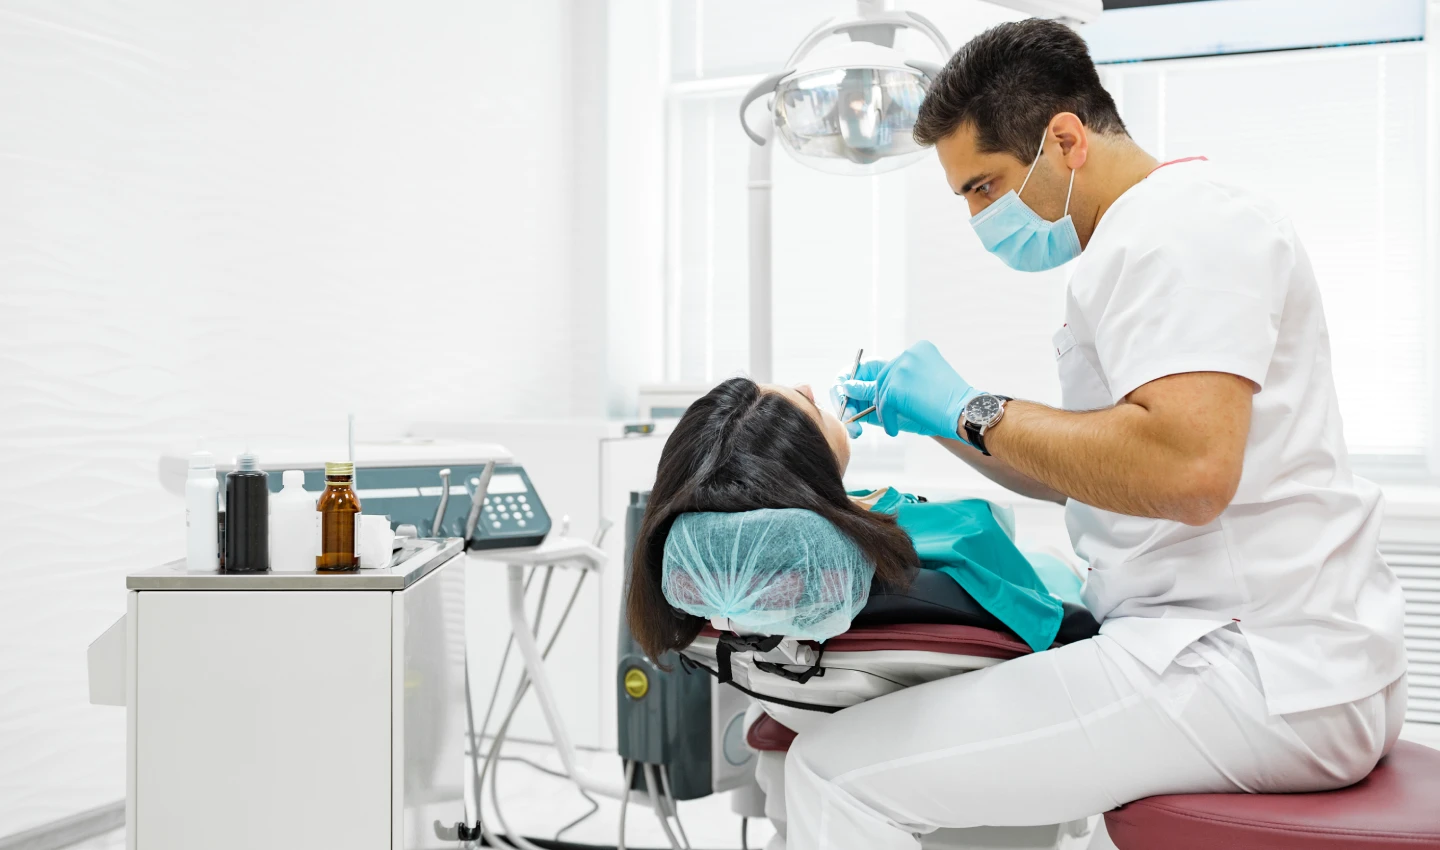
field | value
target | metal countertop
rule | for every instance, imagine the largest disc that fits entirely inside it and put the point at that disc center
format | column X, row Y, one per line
column 407, row 566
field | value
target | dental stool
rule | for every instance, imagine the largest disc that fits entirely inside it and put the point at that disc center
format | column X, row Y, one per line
column 1397, row 805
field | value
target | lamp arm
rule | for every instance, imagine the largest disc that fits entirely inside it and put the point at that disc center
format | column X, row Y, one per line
column 929, row 30
column 856, row 25
column 759, row 90
column 929, row 69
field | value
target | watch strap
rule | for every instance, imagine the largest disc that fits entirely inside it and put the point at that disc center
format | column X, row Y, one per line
column 975, row 438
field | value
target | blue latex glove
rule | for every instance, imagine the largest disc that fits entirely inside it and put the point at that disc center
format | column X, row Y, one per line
column 845, row 407
column 917, row 392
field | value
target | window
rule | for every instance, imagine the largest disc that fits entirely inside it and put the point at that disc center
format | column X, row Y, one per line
column 838, row 258
column 840, row 276
column 1339, row 139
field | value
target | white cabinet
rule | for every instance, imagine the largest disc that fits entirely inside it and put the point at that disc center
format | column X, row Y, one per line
column 298, row 711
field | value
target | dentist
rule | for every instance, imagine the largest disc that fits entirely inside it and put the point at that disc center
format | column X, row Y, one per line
column 1251, row 637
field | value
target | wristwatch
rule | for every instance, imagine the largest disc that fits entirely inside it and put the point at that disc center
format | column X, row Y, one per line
column 981, row 414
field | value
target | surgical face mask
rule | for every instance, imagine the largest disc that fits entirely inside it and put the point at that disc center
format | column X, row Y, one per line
column 1016, row 234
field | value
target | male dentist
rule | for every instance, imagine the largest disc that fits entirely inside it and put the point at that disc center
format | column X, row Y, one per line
column 1251, row 637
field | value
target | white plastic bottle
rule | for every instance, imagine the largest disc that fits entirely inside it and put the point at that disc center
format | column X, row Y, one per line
column 294, row 540
column 202, row 504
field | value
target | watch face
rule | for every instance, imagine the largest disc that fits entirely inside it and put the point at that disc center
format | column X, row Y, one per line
column 983, row 410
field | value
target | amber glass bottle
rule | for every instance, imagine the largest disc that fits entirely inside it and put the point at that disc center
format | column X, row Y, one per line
column 339, row 509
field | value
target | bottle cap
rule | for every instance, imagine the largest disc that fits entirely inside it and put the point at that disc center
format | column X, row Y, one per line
column 247, row 462
column 339, row 469
column 202, row 460
column 293, row 477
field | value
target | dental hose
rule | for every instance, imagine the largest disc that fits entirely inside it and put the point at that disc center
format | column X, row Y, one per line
column 651, row 787
column 512, row 841
column 625, row 802
column 674, row 806
column 485, row 724
column 492, row 755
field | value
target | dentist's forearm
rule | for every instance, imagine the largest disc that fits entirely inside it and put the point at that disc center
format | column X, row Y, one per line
column 1125, row 459
column 1096, row 457
column 1001, row 473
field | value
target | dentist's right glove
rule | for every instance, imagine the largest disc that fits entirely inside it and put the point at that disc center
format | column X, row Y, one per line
column 916, row 392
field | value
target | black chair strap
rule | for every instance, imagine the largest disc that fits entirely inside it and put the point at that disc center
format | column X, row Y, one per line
column 729, row 644
column 801, row 677
column 689, row 663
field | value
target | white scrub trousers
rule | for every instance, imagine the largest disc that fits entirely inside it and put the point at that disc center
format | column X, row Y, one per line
column 1062, row 735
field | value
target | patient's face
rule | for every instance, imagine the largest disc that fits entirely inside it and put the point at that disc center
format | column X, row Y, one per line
column 803, row 397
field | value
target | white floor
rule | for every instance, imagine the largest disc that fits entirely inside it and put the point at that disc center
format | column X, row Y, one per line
column 110, row 841
column 536, row 804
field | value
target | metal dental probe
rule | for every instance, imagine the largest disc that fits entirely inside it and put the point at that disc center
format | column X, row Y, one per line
column 862, row 414
column 854, row 370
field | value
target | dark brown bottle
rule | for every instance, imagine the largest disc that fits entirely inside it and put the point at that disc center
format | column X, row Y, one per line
column 339, row 509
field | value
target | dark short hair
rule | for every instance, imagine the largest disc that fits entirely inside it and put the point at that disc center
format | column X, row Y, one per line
column 741, row 449
column 1009, row 81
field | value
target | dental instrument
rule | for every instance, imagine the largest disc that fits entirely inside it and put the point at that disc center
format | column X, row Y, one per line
column 855, row 369
column 861, row 415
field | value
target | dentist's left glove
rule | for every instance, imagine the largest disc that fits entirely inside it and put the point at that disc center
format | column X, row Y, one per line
column 917, row 392
column 847, row 407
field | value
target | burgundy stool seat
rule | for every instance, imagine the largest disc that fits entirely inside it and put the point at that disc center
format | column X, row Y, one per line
column 769, row 735
column 1397, row 805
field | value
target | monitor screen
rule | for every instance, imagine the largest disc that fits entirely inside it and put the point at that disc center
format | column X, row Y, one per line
column 1136, row 30
column 502, row 484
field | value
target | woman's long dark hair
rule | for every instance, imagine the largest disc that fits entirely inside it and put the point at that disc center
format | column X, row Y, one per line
column 741, row 449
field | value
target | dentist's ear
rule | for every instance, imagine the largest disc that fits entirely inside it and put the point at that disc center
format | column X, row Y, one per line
column 1074, row 139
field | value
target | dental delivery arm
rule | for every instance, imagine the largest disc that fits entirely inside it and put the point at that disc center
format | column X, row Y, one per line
column 1001, row 473
column 1172, row 449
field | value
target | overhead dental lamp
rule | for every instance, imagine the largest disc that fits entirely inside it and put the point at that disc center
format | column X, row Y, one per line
column 846, row 107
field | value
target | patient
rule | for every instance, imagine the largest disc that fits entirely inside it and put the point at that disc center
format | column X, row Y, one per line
column 742, row 447
column 731, row 475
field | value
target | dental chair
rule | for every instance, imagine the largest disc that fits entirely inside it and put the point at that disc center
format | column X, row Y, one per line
column 935, row 630
column 932, row 630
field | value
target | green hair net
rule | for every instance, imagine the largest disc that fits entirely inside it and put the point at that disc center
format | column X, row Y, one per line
column 773, row 572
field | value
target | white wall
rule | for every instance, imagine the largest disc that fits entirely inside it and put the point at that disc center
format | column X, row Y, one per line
column 242, row 221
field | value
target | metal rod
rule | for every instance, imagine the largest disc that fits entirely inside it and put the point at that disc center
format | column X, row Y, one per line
column 854, row 370
column 444, row 502
column 861, row 415
column 761, row 262
column 478, row 499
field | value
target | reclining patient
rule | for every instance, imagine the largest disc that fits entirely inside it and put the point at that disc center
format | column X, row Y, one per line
column 749, row 522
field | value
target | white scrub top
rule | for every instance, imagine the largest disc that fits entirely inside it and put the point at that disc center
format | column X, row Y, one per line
column 1189, row 273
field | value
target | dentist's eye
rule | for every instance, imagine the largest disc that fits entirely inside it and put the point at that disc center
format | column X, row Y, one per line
column 984, row 190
